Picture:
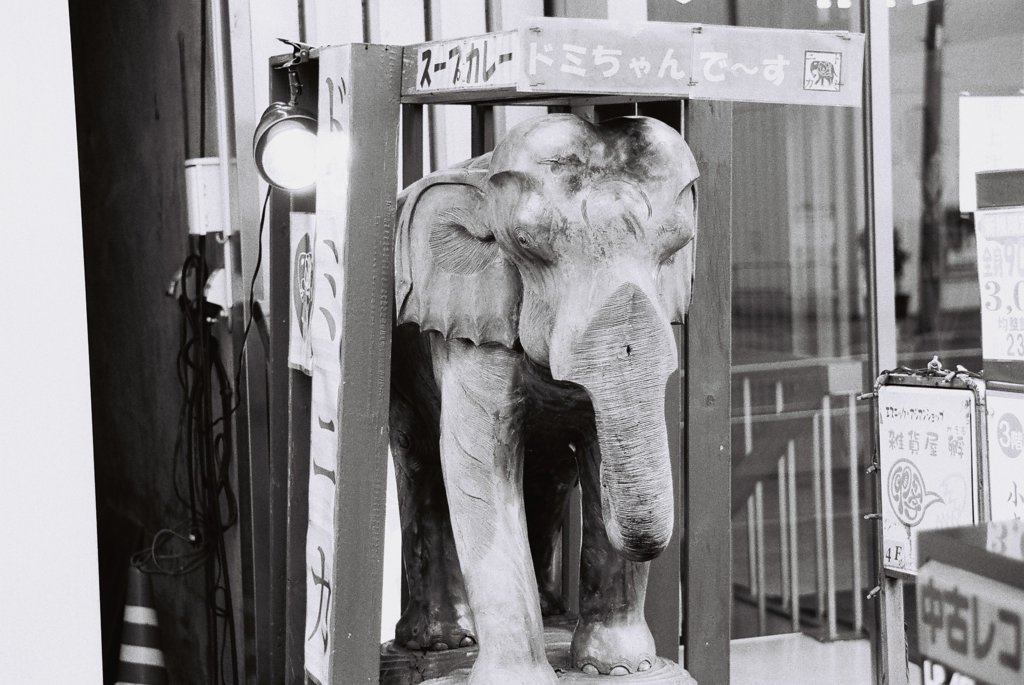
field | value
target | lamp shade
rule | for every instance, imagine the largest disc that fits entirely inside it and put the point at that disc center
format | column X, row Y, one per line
column 284, row 147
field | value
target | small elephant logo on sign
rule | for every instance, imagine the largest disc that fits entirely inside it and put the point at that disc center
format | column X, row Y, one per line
column 822, row 70
column 907, row 493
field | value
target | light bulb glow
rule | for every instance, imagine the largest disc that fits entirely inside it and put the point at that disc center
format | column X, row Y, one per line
column 289, row 156
column 844, row 4
column 824, row 4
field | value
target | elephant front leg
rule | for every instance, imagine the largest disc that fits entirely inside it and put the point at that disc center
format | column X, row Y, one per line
column 611, row 635
column 482, row 461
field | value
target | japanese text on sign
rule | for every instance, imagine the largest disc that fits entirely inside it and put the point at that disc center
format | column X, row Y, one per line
column 710, row 62
column 487, row 60
column 596, row 57
column 1006, row 454
column 1000, row 234
column 971, row 623
column 928, row 466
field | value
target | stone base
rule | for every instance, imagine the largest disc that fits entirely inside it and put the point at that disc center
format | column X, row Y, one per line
column 399, row 666
column 663, row 672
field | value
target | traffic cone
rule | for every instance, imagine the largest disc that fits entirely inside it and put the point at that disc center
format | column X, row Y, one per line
column 142, row 660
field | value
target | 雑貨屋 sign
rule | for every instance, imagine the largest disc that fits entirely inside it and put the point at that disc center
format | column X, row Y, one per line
column 927, row 454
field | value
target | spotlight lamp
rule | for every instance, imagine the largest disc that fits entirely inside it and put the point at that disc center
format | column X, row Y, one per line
column 284, row 145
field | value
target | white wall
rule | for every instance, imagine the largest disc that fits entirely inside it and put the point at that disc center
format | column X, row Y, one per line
column 49, row 587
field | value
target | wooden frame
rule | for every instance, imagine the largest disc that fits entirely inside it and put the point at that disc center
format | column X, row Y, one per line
column 700, row 398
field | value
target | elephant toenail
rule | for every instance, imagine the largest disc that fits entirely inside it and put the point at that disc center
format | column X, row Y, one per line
column 467, row 642
column 589, row 669
column 619, row 670
column 645, row 665
column 412, row 644
column 439, row 646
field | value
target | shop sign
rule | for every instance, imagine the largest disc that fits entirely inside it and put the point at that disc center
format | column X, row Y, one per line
column 1000, row 238
column 927, row 454
column 479, row 62
column 650, row 59
column 1006, row 454
column 971, row 624
column 327, row 282
column 692, row 60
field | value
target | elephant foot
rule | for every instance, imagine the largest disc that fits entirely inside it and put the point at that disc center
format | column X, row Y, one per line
column 437, row 630
column 487, row 672
column 612, row 648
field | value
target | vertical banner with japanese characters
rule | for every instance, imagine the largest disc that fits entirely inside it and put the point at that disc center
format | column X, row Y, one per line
column 1005, row 454
column 1000, row 234
column 325, row 340
column 927, row 454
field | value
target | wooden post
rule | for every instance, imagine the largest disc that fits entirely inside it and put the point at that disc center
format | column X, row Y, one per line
column 372, row 78
column 706, row 557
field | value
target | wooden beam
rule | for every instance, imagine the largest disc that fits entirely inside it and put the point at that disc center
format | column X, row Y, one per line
column 707, row 557
column 372, row 76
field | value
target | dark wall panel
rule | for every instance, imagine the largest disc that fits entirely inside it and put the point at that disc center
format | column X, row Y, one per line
column 131, row 134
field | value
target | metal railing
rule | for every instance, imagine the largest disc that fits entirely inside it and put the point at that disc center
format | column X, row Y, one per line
column 810, row 454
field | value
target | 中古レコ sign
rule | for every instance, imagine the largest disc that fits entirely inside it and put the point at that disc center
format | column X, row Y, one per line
column 970, row 623
column 550, row 56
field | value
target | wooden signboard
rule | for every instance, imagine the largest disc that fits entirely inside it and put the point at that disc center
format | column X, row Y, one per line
column 351, row 319
column 929, row 466
column 550, row 57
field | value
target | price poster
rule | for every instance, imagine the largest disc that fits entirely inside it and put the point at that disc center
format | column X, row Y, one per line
column 927, row 454
column 1000, row 241
column 1006, row 454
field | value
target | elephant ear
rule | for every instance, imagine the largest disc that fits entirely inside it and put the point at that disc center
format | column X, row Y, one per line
column 450, row 274
column 675, row 274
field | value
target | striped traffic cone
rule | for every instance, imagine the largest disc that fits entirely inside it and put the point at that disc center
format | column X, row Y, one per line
column 142, row 660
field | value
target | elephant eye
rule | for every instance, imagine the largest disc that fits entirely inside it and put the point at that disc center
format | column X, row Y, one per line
column 522, row 237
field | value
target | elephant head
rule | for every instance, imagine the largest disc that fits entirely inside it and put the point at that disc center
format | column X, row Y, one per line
column 575, row 241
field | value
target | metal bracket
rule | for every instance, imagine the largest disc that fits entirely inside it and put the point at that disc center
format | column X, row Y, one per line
column 300, row 53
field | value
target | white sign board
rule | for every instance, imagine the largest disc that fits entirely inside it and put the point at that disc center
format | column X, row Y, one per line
column 991, row 139
column 557, row 56
column 927, row 439
column 1000, row 239
column 1006, row 454
column 327, row 283
column 692, row 60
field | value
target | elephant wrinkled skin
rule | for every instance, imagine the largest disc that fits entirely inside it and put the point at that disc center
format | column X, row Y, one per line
column 542, row 280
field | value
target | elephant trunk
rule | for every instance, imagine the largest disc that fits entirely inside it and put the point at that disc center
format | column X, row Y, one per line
column 623, row 358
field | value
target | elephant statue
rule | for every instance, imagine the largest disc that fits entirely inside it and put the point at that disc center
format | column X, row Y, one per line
column 535, row 290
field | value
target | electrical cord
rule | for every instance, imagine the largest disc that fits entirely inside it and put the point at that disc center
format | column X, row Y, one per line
column 204, row 447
